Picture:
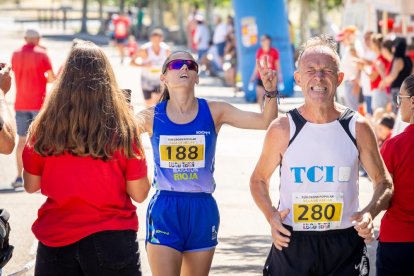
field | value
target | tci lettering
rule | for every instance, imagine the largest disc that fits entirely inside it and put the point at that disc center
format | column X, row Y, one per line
column 314, row 174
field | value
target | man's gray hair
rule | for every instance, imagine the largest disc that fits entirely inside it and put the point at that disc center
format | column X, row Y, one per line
column 320, row 41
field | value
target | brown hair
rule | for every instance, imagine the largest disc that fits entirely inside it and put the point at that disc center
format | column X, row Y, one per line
column 408, row 84
column 377, row 40
column 165, row 94
column 86, row 113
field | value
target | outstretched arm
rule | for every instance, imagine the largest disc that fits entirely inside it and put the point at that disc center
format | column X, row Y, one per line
column 224, row 113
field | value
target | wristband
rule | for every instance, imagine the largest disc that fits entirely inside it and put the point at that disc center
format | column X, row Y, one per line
column 271, row 94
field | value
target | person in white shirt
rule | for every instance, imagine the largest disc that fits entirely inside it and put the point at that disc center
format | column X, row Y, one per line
column 219, row 37
column 350, row 50
column 201, row 37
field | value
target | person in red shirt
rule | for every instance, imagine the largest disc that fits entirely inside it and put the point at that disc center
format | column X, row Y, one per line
column 121, row 31
column 395, row 252
column 265, row 52
column 84, row 154
column 30, row 63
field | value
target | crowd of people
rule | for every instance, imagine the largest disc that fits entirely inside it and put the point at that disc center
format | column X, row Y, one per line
column 374, row 72
column 80, row 146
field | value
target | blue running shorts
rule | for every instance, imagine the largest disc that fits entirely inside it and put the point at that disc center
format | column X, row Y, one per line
column 183, row 221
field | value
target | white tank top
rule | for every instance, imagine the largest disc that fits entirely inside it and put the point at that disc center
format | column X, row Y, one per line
column 319, row 173
column 150, row 76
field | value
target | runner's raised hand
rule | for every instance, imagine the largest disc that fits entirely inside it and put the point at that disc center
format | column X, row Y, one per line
column 267, row 75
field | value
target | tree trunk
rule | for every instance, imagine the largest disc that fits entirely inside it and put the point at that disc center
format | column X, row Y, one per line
column 304, row 22
column 84, row 28
column 182, row 35
column 161, row 13
column 121, row 5
column 102, row 27
column 209, row 14
column 321, row 15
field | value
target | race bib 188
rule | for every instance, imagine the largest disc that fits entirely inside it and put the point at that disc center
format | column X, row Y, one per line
column 186, row 151
column 317, row 211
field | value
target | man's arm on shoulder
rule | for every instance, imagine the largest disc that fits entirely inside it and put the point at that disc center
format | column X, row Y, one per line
column 275, row 143
column 381, row 179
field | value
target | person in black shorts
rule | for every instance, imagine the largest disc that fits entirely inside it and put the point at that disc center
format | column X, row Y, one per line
column 318, row 227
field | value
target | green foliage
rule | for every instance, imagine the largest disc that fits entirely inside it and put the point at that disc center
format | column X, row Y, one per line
column 332, row 4
column 329, row 4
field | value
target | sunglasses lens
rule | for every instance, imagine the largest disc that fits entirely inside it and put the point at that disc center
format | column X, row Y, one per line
column 178, row 64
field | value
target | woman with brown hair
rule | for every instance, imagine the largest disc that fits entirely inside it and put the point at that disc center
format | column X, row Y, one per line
column 183, row 218
column 84, row 154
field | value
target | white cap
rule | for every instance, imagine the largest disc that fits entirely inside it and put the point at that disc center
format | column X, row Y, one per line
column 30, row 33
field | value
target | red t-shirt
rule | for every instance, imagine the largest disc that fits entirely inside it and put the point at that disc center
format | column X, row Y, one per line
column 273, row 56
column 397, row 225
column 121, row 26
column 84, row 195
column 30, row 63
column 386, row 64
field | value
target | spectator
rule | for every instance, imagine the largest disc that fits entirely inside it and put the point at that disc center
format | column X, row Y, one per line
column 30, row 63
column 230, row 60
column 132, row 46
column 7, row 124
column 191, row 29
column 219, row 37
column 201, row 37
column 368, row 56
column 266, row 53
column 84, row 154
column 350, row 49
column 7, row 140
column 121, row 31
column 150, row 57
column 401, row 67
column 395, row 251
column 384, row 128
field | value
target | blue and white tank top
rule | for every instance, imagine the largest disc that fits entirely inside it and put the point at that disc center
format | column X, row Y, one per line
column 319, row 173
column 184, row 154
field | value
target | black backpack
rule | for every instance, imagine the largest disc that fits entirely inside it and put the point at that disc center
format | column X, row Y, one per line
column 6, row 250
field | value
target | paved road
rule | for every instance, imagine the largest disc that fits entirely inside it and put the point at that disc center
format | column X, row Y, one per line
column 244, row 238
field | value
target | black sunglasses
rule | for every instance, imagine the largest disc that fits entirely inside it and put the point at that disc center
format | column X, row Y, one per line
column 177, row 64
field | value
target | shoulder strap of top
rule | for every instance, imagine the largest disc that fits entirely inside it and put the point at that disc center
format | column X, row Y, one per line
column 344, row 120
column 299, row 122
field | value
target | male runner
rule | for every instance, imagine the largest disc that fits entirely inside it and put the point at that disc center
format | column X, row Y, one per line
column 317, row 228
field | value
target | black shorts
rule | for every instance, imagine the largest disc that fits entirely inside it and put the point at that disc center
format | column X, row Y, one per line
column 148, row 93
column 121, row 40
column 395, row 258
column 113, row 252
column 259, row 82
column 333, row 252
